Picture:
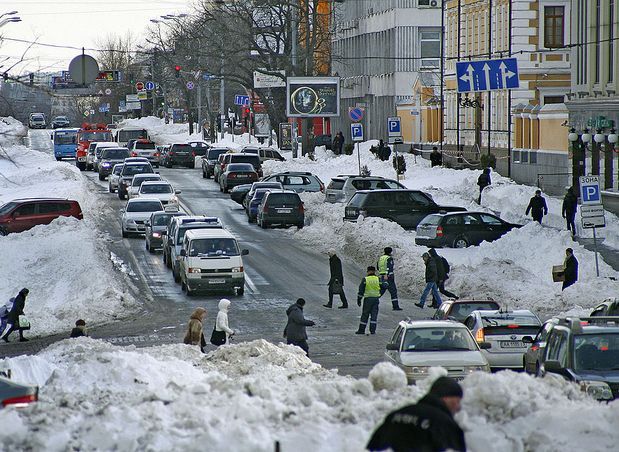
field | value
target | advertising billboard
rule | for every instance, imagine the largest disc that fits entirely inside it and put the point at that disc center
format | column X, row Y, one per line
column 285, row 136
column 312, row 97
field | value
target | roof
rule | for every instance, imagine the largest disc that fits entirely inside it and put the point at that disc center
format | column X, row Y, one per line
column 469, row 300
column 283, row 190
column 431, row 324
column 301, row 173
column 138, row 200
column 394, row 190
column 37, row 199
column 208, row 234
column 499, row 312
column 155, row 182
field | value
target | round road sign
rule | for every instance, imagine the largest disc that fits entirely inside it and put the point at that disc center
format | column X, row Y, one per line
column 139, row 86
column 355, row 114
column 108, row 92
column 149, row 86
column 189, row 85
column 83, row 69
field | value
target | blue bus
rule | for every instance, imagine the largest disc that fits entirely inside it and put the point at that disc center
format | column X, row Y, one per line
column 65, row 143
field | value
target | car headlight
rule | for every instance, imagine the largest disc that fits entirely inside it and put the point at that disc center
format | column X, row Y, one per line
column 174, row 200
column 597, row 389
column 237, row 269
column 195, row 270
column 156, row 235
column 418, row 370
column 471, row 369
column 129, row 221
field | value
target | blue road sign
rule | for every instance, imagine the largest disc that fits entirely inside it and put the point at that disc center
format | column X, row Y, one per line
column 355, row 114
column 394, row 126
column 241, row 100
column 189, row 85
column 356, row 132
column 207, row 76
column 487, row 75
column 149, row 86
column 590, row 190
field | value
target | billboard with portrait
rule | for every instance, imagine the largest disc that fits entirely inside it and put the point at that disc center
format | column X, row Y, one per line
column 312, row 97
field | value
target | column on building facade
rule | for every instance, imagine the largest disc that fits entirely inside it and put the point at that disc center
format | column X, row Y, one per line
column 518, row 125
column 535, row 127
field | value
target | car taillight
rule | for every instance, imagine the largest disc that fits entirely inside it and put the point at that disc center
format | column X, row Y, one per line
column 156, row 154
column 21, row 400
column 512, row 326
column 301, row 208
column 534, row 348
column 439, row 231
column 479, row 336
column 322, row 187
column 193, row 153
column 134, row 154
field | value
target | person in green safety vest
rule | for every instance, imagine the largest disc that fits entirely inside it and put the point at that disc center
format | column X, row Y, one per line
column 370, row 291
column 386, row 274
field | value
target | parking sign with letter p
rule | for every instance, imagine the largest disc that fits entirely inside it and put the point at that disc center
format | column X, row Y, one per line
column 590, row 190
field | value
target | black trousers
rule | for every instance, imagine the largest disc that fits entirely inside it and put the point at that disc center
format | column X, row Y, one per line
column 567, row 284
column 301, row 344
column 341, row 294
column 571, row 226
column 369, row 311
column 14, row 327
column 441, row 289
column 537, row 216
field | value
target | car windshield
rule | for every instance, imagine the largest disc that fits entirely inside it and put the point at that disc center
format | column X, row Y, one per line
column 130, row 170
column 65, row 137
column 284, row 198
column 144, row 206
column 114, row 154
column 461, row 311
column 214, row 153
column 258, row 195
column 431, row 220
column 596, row 352
column 182, row 231
column 438, row 339
column 336, row 184
column 214, row 247
column 139, row 145
column 117, row 169
column 357, row 200
column 95, row 136
column 240, row 167
column 137, row 181
column 162, row 219
column 510, row 319
column 238, row 158
column 156, row 188
column 181, row 147
column 6, row 208
column 250, row 150
column 257, row 185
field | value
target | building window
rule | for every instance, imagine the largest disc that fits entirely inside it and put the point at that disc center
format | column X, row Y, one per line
column 533, row 158
column 430, row 48
column 524, row 157
column 554, row 22
column 516, row 156
column 553, row 99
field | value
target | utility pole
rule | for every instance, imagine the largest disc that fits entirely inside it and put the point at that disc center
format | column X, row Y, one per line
column 222, row 114
column 152, row 77
column 199, row 95
column 294, row 37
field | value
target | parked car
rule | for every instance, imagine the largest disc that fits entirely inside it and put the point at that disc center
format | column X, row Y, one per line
column 259, row 185
column 129, row 170
column 90, row 156
column 264, row 153
column 461, row 229
column 608, row 308
column 179, row 154
column 138, row 180
column 297, row 181
column 217, row 168
column 229, row 158
column 460, row 309
column 210, row 159
column 14, row 394
column 404, row 207
column 254, row 202
column 147, row 149
column 22, row 214
column 114, row 177
column 211, row 260
column 237, row 174
column 503, row 330
column 534, row 355
column 99, row 147
column 37, row 121
column 157, row 224
column 418, row 345
column 60, row 121
column 239, row 193
column 281, row 207
column 585, row 351
column 342, row 188
column 136, row 213
column 109, row 158
column 161, row 190
column 199, row 148
column 324, row 140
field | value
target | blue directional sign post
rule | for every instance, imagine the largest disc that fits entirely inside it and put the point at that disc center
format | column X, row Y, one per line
column 241, row 100
column 487, row 75
column 356, row 132
column 149, row 86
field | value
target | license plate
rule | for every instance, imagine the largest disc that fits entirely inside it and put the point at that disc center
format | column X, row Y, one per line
column 283, row 210
column 217, row 281
column 512, row 344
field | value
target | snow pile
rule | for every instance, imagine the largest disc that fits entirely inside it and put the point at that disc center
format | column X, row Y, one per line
column 245, row 397
column 11, row 131
column 64, row 264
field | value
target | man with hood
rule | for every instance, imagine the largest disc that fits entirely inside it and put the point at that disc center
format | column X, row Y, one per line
column 194, row 334
column 336, row 280
column 483, row 181
column 221, row 324
column 80, row 329
column 537, row 206
column 428, row 425
column 442, row 273
column 294, row 332
column 13, row 316
column 570, row 205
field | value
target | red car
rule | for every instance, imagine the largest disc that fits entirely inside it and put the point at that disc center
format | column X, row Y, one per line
column 22, row 214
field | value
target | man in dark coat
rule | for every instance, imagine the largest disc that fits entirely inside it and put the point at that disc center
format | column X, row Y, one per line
column 442, row 271
column 537, row 207
column 483, row 181
column 436, row 158
column 336, row 281
column 426, row 426
column 13, row 316
column 570, row 205
column 571, row 269
column 431, row 280
column 294, row 332
column 80, row 329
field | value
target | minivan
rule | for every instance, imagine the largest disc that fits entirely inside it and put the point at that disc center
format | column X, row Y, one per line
column 22, row 214
column 211, row 260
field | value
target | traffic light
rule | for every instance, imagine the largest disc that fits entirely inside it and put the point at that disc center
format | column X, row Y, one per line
column 177, row 68
column 31, row 79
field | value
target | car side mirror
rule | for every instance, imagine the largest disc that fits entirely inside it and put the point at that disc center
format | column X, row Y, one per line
column 485, row 345
column 156, row 172
column 244, row 252
column 183, row 252
column 527, row 339
column 553, row 366
column 122, row 210
column 178, row 192
column 392, row 347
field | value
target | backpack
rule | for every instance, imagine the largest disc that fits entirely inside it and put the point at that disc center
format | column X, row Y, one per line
column 445, row 265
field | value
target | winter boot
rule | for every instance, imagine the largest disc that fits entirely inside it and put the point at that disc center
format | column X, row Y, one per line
column 328, row 305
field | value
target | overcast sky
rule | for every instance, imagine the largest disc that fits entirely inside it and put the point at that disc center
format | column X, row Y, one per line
column 74, row 23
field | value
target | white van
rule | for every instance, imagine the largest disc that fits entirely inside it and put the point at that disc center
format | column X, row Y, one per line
column 211, row 260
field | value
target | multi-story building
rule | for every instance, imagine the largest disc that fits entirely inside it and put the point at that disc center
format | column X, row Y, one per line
column 379, row 49
column 593, row 103
column 522, row 127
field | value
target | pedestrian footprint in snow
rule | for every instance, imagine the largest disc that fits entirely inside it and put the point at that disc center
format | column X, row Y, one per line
column 13, row 316
column 222, row 332
column 483, row 181
column 194, row 334
column 80, row 329
column 537, row 206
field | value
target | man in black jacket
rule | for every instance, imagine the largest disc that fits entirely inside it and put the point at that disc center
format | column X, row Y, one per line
column 436, row 158
column 431, row 280
column 13, row 316
column 571, row 269
column 294, row 332
column 442, row 272
column 483, row 181
column 537, row 207
column 426, row 426
column 570, row 205
column 336, row 281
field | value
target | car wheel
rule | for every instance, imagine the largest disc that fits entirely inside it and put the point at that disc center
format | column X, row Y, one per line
column 208, row 175
column 226, row 189
column 221, row 188
column 125, row 234
column 264, row 224
column 203, row 174
column 191, row 165
column 240, row 291
column 177, row 277
column 146, row 245
column 168, row 165
column 109, row 188
column 190, row 292
column 80, row 166
column 538, row 370
column 300, row 226
column 58, row 159
column 2, row 232
column 461, row 242
column 183, row 286
column 101, row 177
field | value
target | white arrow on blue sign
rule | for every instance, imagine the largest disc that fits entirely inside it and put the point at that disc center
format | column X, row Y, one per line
column 356, row 132
column 241, row 100
column 487, row 75
column 149, row 86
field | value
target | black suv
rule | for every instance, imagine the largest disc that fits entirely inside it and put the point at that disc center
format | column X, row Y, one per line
column 179, row 154
column 585, row 351
column 210, row 159
column 281, row 207
column 461, row 229
column 405, row 207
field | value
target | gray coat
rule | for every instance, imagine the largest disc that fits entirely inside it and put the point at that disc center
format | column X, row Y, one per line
column 295, row 329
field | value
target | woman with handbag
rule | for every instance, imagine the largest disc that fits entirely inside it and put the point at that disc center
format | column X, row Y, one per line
column 222, row 332
column 336, row 281
column 13, row 317
column 194, row 335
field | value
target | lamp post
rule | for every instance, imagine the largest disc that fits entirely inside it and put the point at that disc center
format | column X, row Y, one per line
column 579, row 146
column 580, row 142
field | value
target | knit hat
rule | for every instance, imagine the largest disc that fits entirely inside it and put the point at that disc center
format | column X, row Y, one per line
column 388, row 250
column 446, row 387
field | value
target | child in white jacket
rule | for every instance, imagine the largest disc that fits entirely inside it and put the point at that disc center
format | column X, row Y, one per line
column 222, row 319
